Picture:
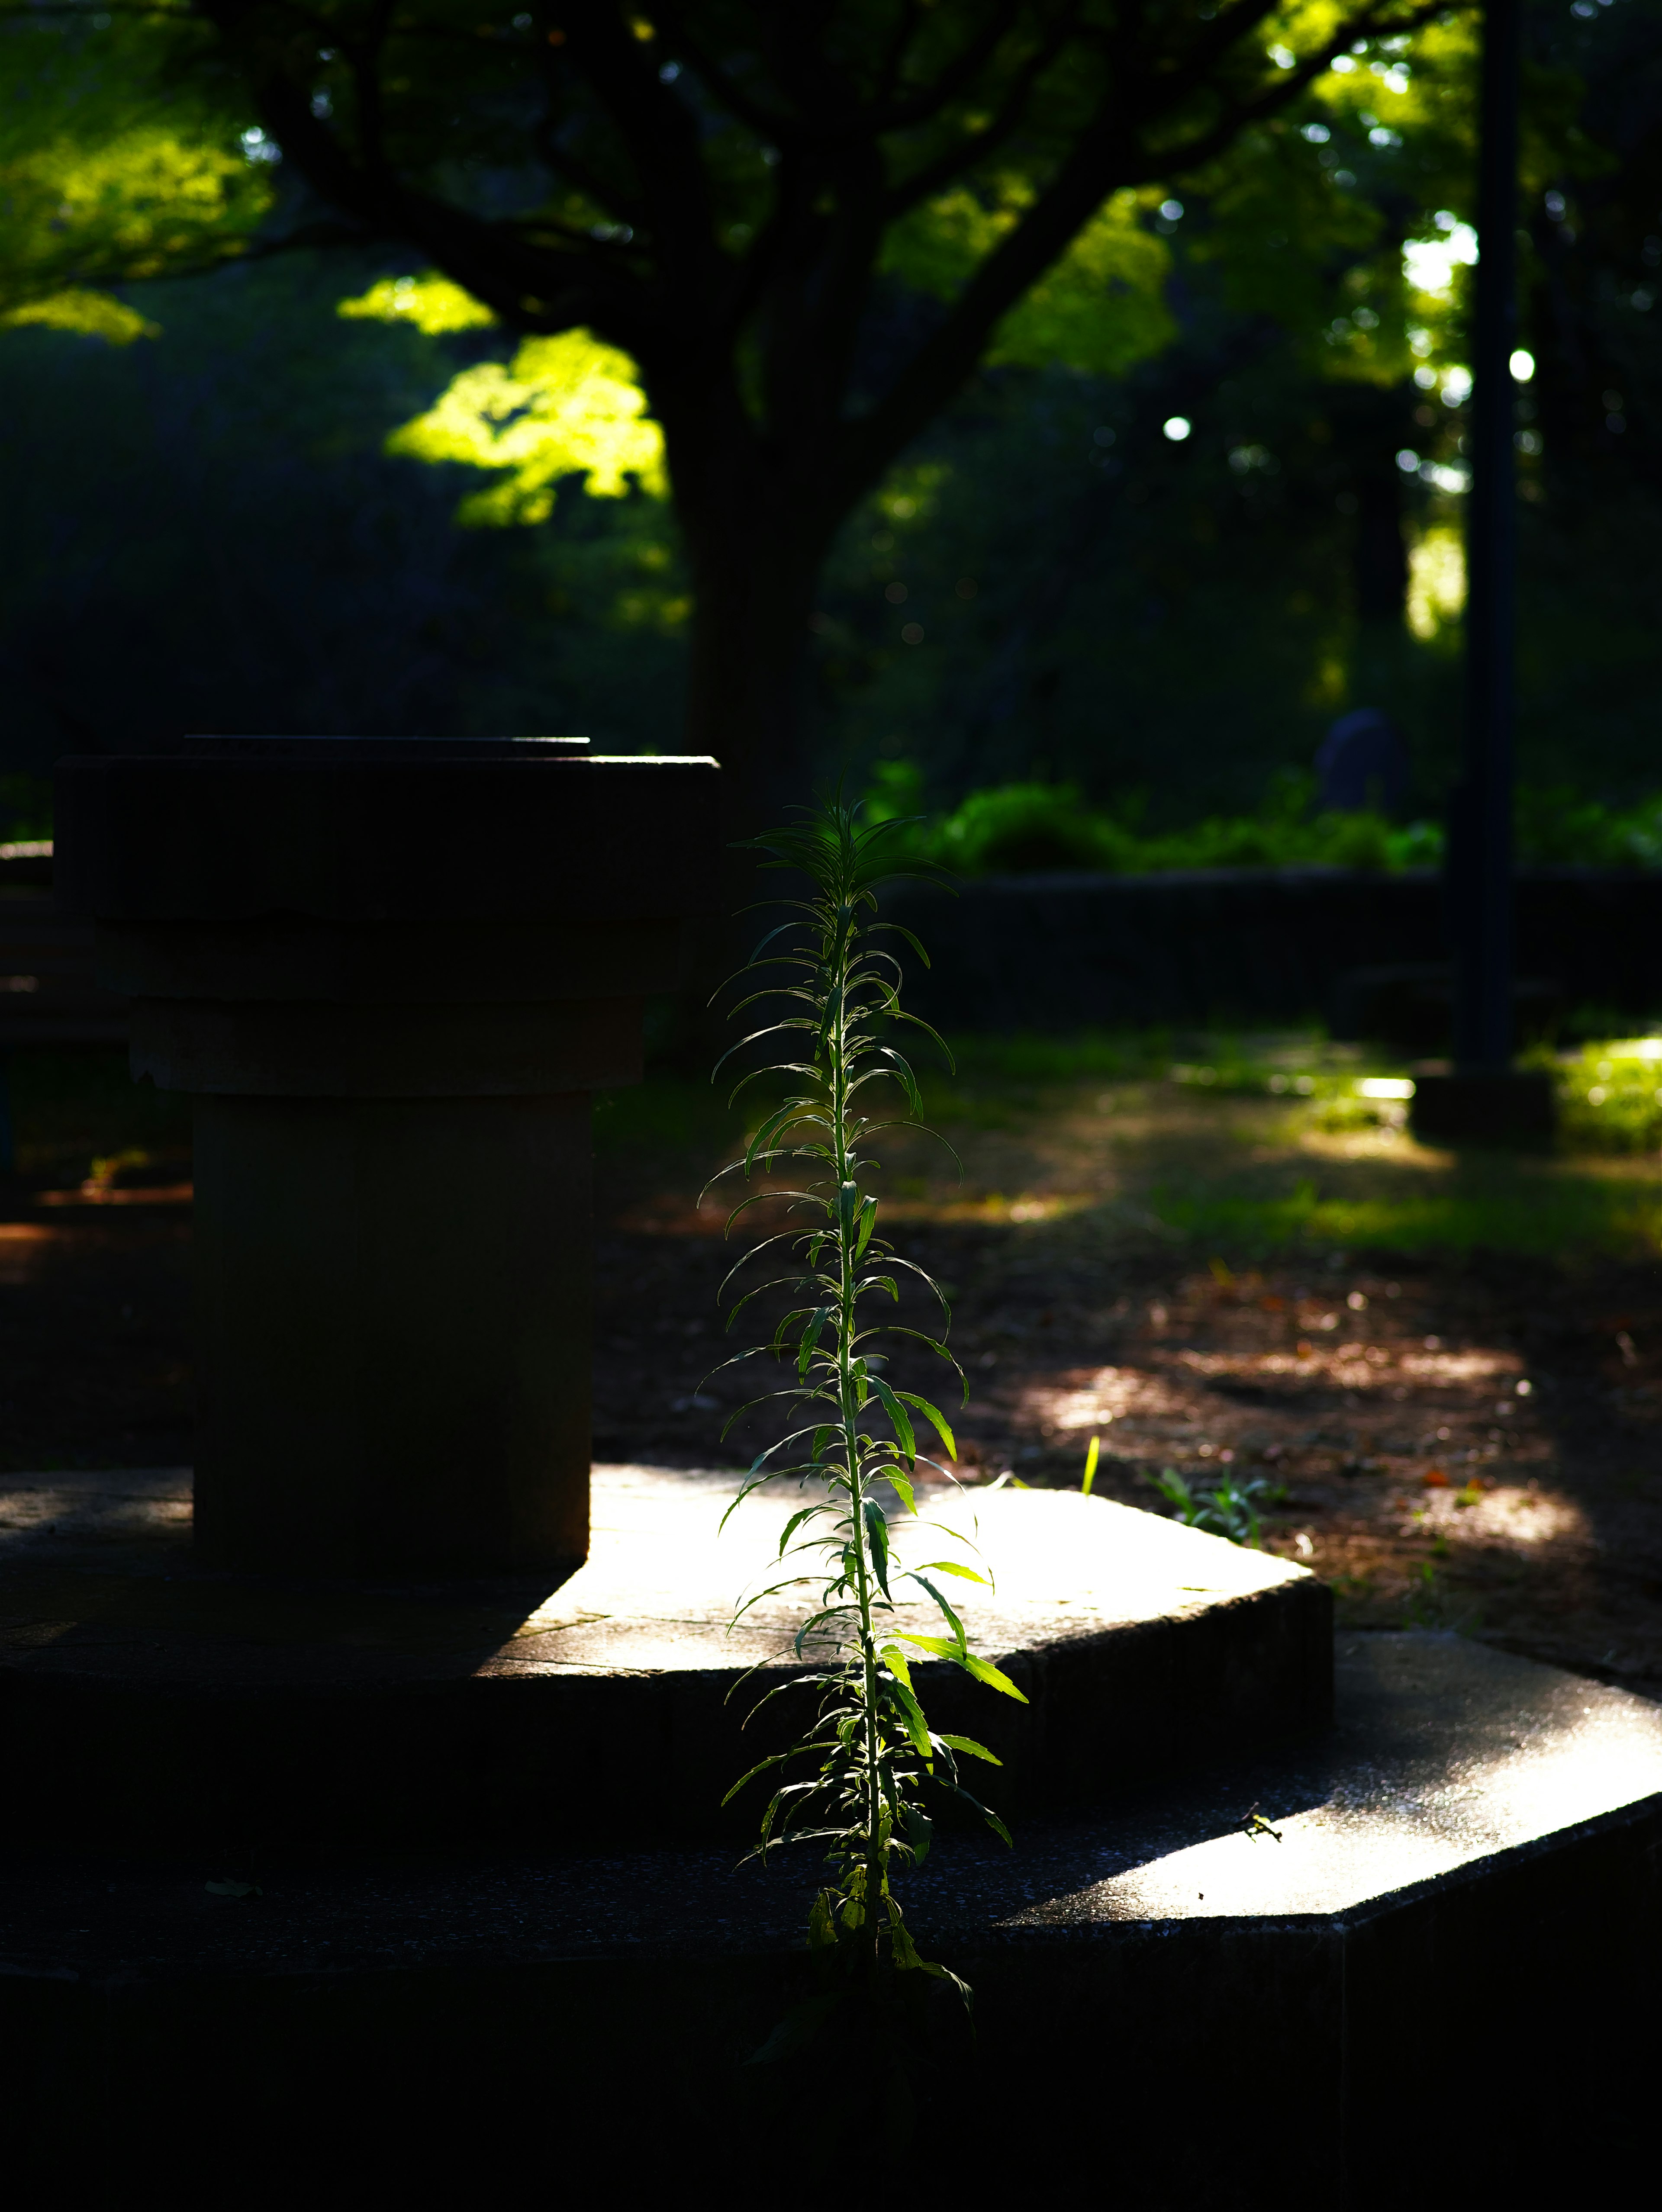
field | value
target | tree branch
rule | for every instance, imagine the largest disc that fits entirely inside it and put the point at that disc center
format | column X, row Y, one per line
column 524, row 285
column 1162, row 162
column 1107, row 156
column 661, row 139
column 939, row 172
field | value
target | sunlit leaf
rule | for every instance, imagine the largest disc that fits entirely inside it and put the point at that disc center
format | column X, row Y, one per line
column 968, row 1745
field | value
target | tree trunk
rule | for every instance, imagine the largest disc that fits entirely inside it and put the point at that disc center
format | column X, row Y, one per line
column 753, row 593
column 757, row 523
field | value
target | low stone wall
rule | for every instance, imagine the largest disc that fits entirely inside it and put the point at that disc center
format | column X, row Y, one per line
column 1253, row 946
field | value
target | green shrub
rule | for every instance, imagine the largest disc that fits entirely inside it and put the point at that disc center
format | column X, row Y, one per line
column 1609, row 1097
column 1023, row 827
column 1033, row 827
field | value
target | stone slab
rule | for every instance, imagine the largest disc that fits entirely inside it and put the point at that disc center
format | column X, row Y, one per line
column 377, row 829
column 225, row 1713
column 1437, row 1986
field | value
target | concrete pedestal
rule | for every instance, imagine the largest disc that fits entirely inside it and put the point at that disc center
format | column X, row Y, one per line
column 1438, row 1986
column 392, row 1330
column 390, row 973
column 166, row 1709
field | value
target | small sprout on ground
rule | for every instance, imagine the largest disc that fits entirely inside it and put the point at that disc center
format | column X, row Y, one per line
column 1233, row 1510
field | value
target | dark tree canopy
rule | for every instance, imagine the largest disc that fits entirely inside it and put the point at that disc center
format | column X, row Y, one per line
column 725, row 191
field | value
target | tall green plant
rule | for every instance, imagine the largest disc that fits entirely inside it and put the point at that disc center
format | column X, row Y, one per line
column 859, row 1776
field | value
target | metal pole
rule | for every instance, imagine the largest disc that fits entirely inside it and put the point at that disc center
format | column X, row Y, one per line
column 1481, row 853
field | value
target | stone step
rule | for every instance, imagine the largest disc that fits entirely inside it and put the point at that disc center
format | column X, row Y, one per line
column 179, row 1711
column 1433, row 1982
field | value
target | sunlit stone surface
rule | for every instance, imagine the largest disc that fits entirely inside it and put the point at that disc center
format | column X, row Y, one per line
column 1134, row 1641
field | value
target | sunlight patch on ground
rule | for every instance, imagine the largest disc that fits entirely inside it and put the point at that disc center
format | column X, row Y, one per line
column 1517, row 1517
column 671, row 1214
column 1393, row 1144
column 19, row 1245
column 1110, row 1394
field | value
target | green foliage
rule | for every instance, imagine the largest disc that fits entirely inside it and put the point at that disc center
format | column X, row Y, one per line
column 217, row 510
column 120, row 161
column 1544, row 1214
column 1557, row 824
column 1100, row 308
column 91, row 315
column 430, row 304
column 563, row 406
column 872, row 1762
column 1088, row 602
column 1232, row 1510
column 1610, row 1096
column 1036, row 826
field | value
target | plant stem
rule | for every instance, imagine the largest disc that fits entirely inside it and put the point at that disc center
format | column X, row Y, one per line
column 872, row 1748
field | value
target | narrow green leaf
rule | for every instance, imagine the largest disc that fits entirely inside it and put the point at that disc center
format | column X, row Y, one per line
column 943, row 1647
column 968, row 1744
column 956, row 1624
column 822, row 1935
column 946, row 1974
column 811, row 1330
column 997, row 1827
column 896, row 1413
column 920, row 1832
column 933, row 1415
column 911, row 1714
column 984, row 1671
column 877, row 1534
column 797, row 1520
column 761, row 1767
column 901, row 1946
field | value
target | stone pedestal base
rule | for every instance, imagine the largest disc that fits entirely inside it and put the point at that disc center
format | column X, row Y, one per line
column 1438, row 1985
column 387, row 971
column 392, row 1324
column 168, row 1710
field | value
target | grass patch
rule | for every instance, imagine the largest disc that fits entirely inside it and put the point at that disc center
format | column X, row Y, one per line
column 1542, row 1214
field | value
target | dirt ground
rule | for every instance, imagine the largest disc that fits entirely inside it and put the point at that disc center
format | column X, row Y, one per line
column 1460, row 1437
column 1465, row 1439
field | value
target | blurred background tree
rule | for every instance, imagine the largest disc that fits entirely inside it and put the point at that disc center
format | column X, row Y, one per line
column 1158, row 510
